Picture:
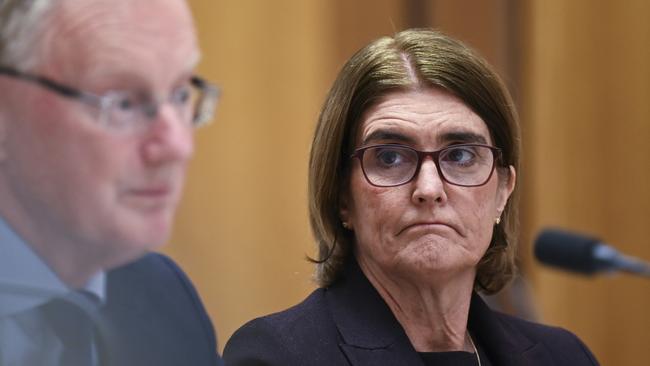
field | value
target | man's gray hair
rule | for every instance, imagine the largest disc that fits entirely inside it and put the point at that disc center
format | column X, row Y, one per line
column 21, row 27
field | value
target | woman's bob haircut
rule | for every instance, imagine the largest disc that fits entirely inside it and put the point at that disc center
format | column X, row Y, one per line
column 411, row 59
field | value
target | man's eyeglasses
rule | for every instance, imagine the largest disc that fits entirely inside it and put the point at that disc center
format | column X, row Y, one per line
column 194, row 101
column 467, row 165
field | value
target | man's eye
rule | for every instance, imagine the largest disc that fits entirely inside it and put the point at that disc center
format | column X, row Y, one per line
column 182, row 95
column 125, row 103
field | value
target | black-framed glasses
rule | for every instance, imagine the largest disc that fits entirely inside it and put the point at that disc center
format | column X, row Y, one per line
column 390, row 165
column 194, row 101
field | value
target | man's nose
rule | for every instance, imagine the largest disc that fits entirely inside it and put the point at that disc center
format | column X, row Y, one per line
column 169, row 138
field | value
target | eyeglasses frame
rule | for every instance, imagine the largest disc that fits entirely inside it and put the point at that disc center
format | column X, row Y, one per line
column 202, row 115
column 496, row 158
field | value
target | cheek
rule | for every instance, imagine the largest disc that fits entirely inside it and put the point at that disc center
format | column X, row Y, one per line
column 375, row 213
column 74, row 158
column 479, row 213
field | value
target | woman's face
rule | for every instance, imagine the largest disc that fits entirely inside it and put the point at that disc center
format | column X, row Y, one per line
column 426, row 228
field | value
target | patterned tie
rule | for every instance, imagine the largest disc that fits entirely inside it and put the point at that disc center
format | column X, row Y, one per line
column 72, row 321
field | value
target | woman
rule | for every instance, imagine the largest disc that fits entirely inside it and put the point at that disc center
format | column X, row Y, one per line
column 413, row 205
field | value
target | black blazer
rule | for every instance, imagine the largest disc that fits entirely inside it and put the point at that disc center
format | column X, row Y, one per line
column 350, row 324
column 153, row 316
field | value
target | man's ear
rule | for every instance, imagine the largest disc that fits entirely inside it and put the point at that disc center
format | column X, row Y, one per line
column 3, row 137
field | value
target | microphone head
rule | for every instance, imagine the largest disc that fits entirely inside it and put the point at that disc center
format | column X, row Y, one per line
column 567, row 251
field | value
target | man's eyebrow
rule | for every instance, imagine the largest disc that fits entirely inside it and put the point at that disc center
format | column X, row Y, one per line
column 462, row 137
column 383, row 135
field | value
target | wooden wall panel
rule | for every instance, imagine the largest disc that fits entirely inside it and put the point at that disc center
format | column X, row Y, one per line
column 356, row 23
column 588, row 88
column 485, row 25
column 242, row 230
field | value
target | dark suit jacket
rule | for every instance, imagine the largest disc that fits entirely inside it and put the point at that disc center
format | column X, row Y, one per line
column 350, row 324
column 153, row 316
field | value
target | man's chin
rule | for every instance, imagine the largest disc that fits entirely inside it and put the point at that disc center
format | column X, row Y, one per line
column 151, row 229
column 138, row 238
column 153, row 236
column 131, row 249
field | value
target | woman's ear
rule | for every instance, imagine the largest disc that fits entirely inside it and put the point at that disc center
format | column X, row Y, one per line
column 344, row 212
column 506, row 186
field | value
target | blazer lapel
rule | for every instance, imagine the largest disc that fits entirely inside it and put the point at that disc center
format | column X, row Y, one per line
column 504, row 343
column 370, row 334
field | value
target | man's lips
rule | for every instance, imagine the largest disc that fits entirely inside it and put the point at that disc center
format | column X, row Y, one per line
column 158, row 196
column 152, row 192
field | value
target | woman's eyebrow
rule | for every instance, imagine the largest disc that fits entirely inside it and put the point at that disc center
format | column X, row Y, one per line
column 383, row 135
column 462, row 137
column 455, row 136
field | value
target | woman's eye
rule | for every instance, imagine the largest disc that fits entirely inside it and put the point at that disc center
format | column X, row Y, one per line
column 460, row 155
column 389, row 157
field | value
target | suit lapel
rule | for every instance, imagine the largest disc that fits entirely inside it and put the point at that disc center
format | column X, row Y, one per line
column 501, row 340
column 134, row 330
column 370, row 334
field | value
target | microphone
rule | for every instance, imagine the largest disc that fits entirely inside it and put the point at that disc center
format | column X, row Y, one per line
column 583, row 254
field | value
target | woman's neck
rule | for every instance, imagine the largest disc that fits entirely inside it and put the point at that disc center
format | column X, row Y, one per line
column 433, row 313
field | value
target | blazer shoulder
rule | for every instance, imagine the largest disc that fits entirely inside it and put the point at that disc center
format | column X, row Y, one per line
column 151, row 264
column 154, row 298
column 559, row 341
column 153, row 272
column 257, row 343
column 287, row 337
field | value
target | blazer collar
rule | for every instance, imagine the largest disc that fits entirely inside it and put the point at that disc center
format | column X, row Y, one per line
column 504, row 343
column 371, row 334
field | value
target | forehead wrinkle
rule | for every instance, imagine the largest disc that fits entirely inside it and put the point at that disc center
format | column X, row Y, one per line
column 112, row 32
column 153, row 18
column 70, row 19
column 392, row 114
column 385, row 128
column 113, row 24
column 418, row 120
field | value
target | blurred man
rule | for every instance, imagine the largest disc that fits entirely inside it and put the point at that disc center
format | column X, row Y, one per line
column 97, row 109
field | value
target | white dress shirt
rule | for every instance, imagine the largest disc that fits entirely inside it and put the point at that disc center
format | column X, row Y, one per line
column 26, row 282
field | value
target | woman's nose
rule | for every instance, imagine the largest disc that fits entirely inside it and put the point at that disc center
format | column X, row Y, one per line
column 429, row 186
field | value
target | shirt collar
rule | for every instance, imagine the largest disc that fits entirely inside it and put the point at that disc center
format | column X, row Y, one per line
column 26, row 281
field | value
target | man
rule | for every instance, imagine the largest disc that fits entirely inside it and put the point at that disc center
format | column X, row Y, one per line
column 97, row 109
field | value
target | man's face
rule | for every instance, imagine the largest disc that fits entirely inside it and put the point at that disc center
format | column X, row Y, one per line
column 64, row 177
